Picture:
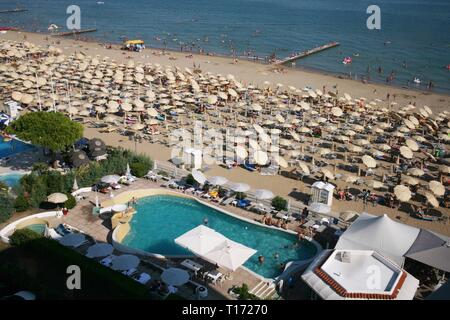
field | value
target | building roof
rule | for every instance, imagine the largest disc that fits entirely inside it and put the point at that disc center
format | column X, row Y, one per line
column 323, row 186
column 346, row 274
column 379, row 233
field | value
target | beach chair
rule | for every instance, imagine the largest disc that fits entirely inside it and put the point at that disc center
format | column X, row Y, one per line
column 130, row 272
column 143, row 278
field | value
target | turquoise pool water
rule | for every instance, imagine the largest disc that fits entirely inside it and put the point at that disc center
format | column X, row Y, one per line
column 38, row 228
column 161, row 219
column 9, row 148
column 11, row 179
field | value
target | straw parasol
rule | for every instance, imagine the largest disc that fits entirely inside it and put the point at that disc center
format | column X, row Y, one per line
column 431, row 199
column 57, row 198
column 369, row 161
column 402, row 192
column 437, row 188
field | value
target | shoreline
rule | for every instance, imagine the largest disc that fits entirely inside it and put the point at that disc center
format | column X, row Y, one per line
column 408, row 93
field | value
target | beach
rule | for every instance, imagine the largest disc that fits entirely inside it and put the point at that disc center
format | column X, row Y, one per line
column 246, row 71
column 256, row 74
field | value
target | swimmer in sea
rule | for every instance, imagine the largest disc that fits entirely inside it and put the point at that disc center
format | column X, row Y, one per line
column 205, row 221
column 261, row 259
column 276, row 255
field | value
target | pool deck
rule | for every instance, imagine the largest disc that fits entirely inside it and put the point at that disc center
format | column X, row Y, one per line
column 81, row 218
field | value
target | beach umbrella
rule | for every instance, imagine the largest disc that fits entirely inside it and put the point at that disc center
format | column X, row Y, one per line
column 350, row 178
column 335, row 111
column 200, row 240
column 125, row 262
column 304, row 167
column 369, row 161
column 96, row 143
column 412, row 145
column 230, row 255
column 410, row 180
column 327, row 173
column 217, row 180
column 137, row 126
column 239, row 187
column 406, row 152
column 260, row 157
column 72, row 240
column 444, row 169
column 437, row 188
column 241, row 152
column 111, row 179
column 402, row 193
column 374, row 184
column 279, row 160
column 353, row 148
column 57, row 197
column 263, row 194
column 431, row 199
column 416, row 172
column 212, row 99
column 175, row 276
column 198, row 176
column 99, row 250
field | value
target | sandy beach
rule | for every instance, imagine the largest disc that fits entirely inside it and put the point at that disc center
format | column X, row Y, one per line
column 245, row 71
column 254, row 73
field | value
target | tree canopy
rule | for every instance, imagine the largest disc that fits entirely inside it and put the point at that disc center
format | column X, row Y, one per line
column 50, row 130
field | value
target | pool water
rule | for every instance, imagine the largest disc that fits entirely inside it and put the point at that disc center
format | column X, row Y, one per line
column 38, row 228
column 9, row 148
column 11, row 179
column 161, row 219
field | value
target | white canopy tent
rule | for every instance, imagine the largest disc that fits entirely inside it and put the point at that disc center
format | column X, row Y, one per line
column 380, row 233
column 229, row 254
column 200, row 240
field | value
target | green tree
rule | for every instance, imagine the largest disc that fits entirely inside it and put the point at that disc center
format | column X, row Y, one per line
column 279, row 203
column 21, row 204
column 51, row 130
column 6, row 206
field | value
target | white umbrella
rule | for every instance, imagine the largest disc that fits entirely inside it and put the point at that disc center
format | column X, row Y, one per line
column 99, row 250
column 217, row 180
column 175, row 276
column 437, row 188
column 57, row 198
column 239, row 187
column 402, row 193
column 200, row 240
column 72, row 239
column 198, row 176
column 263, row 194
column 112, row 179
column 230, row 255
column 125, row 262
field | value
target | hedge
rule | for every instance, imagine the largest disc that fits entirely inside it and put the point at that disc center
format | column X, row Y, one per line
column 51, row 262
column 22, row 236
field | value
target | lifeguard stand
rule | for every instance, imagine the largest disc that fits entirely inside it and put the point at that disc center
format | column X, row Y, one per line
column 322, row 192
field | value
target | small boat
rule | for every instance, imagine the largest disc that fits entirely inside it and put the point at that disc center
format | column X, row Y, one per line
column 416, row 80
column 8, row 29
column 448, row 67
column 347, row 60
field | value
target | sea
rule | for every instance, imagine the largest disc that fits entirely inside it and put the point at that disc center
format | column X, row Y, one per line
column 413, row 41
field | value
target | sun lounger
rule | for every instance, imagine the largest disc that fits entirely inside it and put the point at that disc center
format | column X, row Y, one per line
column 51, row 233
column 107, row 262
column 130, row 272
column 227, row 201
column 62, row 230
column 143, row 278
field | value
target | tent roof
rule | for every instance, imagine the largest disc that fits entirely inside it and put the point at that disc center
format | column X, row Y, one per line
column 379, row 233
column 430, row 250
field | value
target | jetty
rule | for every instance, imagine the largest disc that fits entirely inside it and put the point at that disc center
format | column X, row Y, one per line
column 306, row 53
column 13, row 10
column 74, row 32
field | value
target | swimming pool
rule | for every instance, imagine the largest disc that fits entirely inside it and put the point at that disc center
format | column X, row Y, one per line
column 9, row 148
column 162, row 218
column 38, row 228
column 11, row 179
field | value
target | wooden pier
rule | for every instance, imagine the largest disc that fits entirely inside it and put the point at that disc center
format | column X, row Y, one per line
column 74, row 32
column 307, row 53
column 13, row 10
